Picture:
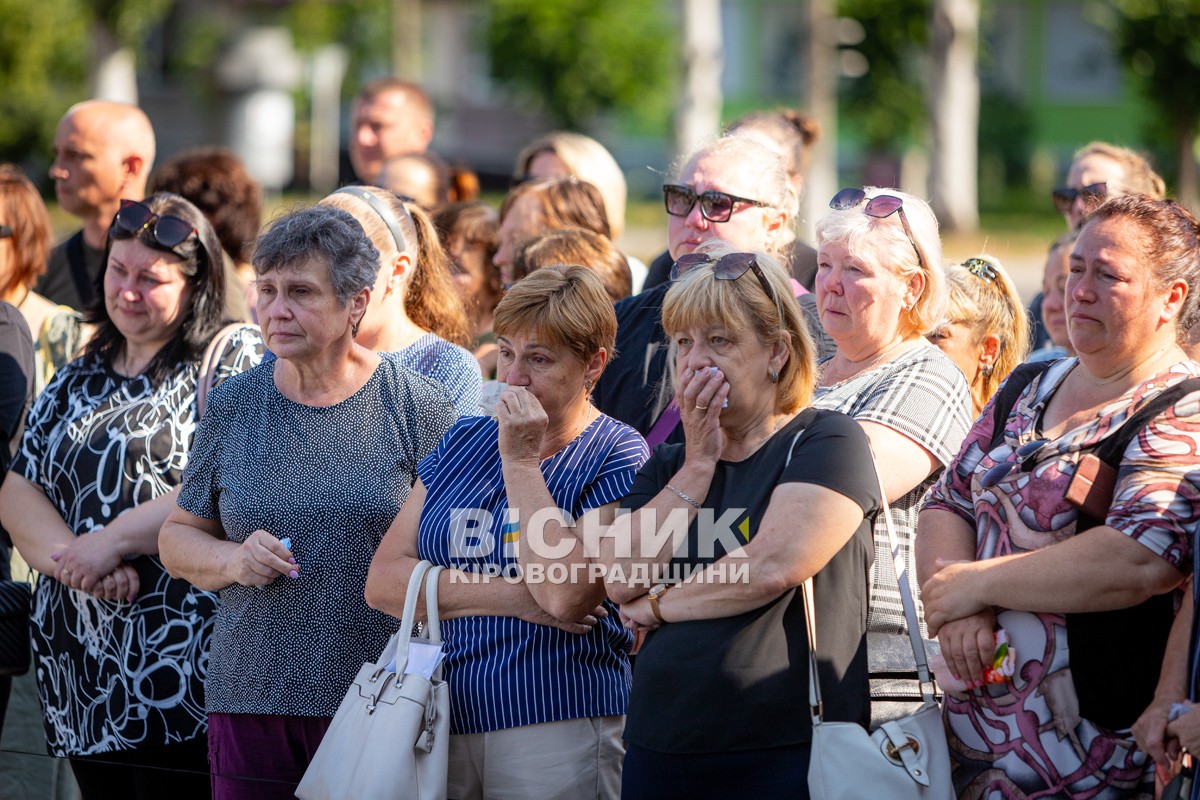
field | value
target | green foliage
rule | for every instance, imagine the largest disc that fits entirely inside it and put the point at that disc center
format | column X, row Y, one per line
column 886, row 107
column 1160, row 41
column 42, row 68
column 580, row 58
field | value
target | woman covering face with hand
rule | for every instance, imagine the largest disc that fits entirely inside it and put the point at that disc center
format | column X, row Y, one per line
column 765, row 484
column 538, row 668
column 299, row 467
column 121, row 646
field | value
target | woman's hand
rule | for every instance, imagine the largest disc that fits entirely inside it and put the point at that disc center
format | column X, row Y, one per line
column 969, row 645
column 84, row 562
column 1185, row 730
column 639, row 613
column 949, row 594
column 532, row 612
column 259, row 561
column 523, row 424
column 1151, row 731
column 701, row 397
column 119, row 586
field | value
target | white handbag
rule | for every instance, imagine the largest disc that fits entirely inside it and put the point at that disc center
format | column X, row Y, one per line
column 903, row 759
column 390, row 737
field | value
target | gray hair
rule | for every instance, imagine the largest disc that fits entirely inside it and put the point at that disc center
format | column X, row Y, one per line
column 324, row 233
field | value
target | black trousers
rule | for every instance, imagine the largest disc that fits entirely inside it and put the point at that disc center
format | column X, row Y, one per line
column 173, row 771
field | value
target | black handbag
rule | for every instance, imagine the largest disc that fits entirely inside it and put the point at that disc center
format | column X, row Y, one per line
column 16, row 600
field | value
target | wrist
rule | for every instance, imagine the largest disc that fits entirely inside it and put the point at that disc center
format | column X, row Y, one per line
column 655, row 597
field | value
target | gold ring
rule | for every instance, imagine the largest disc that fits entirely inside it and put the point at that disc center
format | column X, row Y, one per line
column 702, row 408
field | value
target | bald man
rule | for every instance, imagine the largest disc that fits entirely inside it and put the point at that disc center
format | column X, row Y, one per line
column 391, row 117
column 103, row 153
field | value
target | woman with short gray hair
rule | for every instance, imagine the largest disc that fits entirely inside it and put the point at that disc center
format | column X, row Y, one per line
column 297, row 471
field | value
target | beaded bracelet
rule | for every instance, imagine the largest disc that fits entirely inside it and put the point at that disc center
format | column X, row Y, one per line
column 684, row 497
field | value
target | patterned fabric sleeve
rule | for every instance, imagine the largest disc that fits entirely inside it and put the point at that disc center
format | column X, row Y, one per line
column 615, row 478
column 244, row 350
column 199, row 494
column 42, row 417
column 927, row 401
column 952, row 492
column 1157, row 497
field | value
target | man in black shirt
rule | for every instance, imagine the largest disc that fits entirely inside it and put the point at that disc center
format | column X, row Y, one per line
column 103, row 153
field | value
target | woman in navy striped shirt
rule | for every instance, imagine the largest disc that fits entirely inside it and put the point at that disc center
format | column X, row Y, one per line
column 537, row 663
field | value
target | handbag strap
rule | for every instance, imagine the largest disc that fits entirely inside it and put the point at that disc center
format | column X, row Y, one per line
column 910, row 615
column 433, row 622
column 415, row 584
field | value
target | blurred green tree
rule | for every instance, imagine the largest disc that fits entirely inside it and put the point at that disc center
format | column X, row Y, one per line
column 580, row 58
column 885, row 106
column 42, row 68
column 1160, row 41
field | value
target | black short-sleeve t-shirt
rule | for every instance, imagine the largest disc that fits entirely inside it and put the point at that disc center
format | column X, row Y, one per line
column 741, row 682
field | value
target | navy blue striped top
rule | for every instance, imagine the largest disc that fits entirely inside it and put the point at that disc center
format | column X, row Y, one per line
column 504, row 672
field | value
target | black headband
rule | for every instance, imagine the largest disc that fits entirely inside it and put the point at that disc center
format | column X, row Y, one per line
column 385, row 213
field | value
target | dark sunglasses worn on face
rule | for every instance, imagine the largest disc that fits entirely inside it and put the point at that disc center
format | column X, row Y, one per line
column 134, row 217
column 880, row 206
column 728, row 267
column 714, row 206
column 1093, row 195
column 981, row 268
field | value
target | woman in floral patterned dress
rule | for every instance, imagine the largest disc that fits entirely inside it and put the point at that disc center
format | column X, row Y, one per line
column 1000, row 546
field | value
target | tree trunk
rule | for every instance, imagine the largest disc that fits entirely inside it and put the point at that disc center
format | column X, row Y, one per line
column 954, row 108
column 820, row 94
column 406, row 39
column 1185, row 144
column 114, row 68
column 699, row 115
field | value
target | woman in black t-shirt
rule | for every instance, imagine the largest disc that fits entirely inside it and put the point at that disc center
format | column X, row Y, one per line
column 773, row 492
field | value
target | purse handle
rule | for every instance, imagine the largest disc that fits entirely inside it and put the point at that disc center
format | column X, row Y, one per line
column 910, row 615
column 415, row 583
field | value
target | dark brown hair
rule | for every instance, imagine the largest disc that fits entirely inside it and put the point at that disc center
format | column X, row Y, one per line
column 215, row 180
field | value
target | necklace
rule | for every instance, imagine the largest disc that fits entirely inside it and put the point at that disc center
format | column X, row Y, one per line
column 754, row 446
column 24, row 297
column 880, row 357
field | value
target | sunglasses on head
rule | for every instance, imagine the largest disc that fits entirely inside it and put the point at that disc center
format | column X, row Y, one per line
column 728, row 267
column 880, row 206
column 981, row 268
column 714, row 206
column 134, row 217
column 5, row 231
column 1093, row 195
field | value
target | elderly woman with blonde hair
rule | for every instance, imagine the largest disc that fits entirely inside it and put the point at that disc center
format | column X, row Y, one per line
column 720, row 681
column 881, row 289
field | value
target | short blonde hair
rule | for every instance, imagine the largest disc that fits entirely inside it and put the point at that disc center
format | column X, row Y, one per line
column 886, row 239
column 565, row 306
column 587, row 160
column 698, row 298
column 989, row 305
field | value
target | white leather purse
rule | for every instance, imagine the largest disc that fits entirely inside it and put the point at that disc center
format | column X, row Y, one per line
column 390, row 737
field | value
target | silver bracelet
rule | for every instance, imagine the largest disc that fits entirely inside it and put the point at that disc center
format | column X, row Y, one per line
column 684, row 497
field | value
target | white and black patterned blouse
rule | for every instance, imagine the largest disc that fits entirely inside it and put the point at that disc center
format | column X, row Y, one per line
column 920, row 394
column 331, row 479
column 117, row 676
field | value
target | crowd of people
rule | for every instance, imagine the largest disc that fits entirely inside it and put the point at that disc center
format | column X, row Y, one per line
column 229, row 446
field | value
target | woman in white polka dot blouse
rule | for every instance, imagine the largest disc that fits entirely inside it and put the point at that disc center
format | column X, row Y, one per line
column 297, row 471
